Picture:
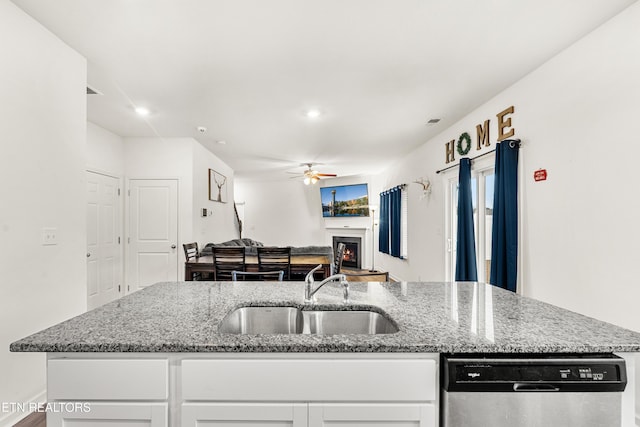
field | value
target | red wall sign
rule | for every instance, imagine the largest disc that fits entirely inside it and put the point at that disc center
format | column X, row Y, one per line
column 540, row 175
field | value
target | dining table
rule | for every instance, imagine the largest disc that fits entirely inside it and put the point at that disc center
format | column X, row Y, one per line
column 300, row 264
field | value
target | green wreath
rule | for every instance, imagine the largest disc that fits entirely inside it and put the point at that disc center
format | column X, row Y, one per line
column 464, row 137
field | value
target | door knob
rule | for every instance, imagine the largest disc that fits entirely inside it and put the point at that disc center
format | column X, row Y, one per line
column 173, row 246
column 88, row 254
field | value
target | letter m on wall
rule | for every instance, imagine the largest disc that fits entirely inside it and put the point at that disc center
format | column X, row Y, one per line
column 483, row 135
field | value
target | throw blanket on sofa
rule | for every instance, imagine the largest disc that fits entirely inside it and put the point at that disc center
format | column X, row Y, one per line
column 250, row 248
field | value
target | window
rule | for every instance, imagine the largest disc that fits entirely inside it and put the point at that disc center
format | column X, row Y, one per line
column 482, row 184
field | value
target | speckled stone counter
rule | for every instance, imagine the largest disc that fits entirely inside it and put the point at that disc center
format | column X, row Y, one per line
column 432, row 317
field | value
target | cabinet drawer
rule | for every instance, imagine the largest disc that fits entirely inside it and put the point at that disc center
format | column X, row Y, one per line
column 111, row 415
column 73, row 379
column 310, row 380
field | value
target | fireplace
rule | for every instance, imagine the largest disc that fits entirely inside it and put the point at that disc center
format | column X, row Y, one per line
column 353, row 252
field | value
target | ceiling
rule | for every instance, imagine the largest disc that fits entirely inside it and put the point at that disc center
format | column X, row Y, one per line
column 249, row 70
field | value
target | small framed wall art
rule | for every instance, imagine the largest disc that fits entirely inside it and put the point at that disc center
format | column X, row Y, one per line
column 217, row 187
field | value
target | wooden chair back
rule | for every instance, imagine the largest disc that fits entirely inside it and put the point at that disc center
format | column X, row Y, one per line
column 226, row 259
column 337, row 261
column 275, row 259
column 190, row 250
column 257, row 275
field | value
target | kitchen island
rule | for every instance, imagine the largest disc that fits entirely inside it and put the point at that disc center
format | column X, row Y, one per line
column 157, row 356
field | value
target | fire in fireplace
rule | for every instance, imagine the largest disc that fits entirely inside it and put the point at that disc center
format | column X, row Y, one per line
column 353, row 253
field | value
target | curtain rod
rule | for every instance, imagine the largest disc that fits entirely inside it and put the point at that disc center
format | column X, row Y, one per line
column 403, row 186
column 511, row 141
column 476, row 157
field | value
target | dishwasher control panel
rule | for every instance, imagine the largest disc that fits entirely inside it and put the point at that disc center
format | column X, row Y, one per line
column 482, row 372
column 560, row 373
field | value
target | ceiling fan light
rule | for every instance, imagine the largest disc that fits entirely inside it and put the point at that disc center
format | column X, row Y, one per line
column 314, row 179
column 307, row 180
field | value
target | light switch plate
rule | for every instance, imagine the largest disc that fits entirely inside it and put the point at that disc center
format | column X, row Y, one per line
column 49, row 236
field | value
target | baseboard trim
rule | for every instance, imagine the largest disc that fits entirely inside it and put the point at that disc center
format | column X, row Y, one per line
column 11, row 418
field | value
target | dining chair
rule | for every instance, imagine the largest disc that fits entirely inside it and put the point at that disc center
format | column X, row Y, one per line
column 275, row 259
column 257, row 275
column 226, row 259
column 337, row 261
column 190, row 252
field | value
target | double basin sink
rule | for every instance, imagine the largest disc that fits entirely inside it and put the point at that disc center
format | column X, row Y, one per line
column 293, row 320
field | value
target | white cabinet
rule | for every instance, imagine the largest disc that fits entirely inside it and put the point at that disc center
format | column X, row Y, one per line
column 245, row 414
column 243, row 390
column 107, row 379
column 380, row 415
column 107, row 392
column 98, row 414
column 309, row 415
column 288, row 379
column 310, row 392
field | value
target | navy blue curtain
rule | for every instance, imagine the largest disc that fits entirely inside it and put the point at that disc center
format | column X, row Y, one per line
column 466, row 269
column 504, row 241
column 395, row 207
column 383, row 230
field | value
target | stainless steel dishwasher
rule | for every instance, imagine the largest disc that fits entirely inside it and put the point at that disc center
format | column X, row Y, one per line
column 532, row 390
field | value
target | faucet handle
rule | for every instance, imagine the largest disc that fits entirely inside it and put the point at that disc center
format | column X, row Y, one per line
column 345, row 289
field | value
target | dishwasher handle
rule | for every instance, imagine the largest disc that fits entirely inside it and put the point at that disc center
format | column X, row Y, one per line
column 535, row 387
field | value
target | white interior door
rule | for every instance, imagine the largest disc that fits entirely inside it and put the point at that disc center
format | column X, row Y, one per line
column 153, row 232
column 104, row 259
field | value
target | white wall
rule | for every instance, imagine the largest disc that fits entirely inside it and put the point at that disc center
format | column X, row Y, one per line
column 289, row 213
column 105, row 151
column 281, row 213
column 220, row 226
column 42, row 169
column 577, row 116
column 426, row 249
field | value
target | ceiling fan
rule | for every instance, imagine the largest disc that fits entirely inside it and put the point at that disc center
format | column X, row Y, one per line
column 312, row 176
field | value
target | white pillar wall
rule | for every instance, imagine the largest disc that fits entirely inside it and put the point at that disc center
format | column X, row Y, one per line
column 42, row 167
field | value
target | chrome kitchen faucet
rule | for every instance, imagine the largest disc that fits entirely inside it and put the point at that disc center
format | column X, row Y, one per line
column 309, row 281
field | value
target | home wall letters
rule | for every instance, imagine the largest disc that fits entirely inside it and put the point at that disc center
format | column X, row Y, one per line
column 504, row 127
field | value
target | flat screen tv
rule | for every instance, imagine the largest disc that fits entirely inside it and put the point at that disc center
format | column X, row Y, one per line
column 345, row 201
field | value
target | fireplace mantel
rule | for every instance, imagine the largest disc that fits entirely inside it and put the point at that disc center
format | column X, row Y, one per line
column 356, row 231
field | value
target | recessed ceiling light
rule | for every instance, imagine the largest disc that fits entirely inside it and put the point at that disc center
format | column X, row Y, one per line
column 142, row 111
column 433, row 121
column 313, row 114
column 221, row 142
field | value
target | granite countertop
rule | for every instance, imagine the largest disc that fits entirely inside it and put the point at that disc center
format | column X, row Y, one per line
column 432, row 317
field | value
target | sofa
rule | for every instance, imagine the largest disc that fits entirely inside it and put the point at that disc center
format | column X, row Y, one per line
column 250, row 246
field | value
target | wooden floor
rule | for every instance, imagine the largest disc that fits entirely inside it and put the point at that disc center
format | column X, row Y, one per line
column 36, row 419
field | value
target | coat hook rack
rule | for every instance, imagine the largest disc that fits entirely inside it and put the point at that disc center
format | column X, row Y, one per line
column 426, row 186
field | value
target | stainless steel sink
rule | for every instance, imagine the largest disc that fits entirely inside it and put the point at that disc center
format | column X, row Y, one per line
column 292, row 320
column 262, row 320
column 328, row 322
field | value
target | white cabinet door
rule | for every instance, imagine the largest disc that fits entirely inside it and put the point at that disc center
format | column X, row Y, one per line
column 244, row 414
column 380, row 415
column 66, row 414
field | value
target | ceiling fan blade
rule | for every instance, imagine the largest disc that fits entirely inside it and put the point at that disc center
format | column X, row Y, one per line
column 326, row 174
